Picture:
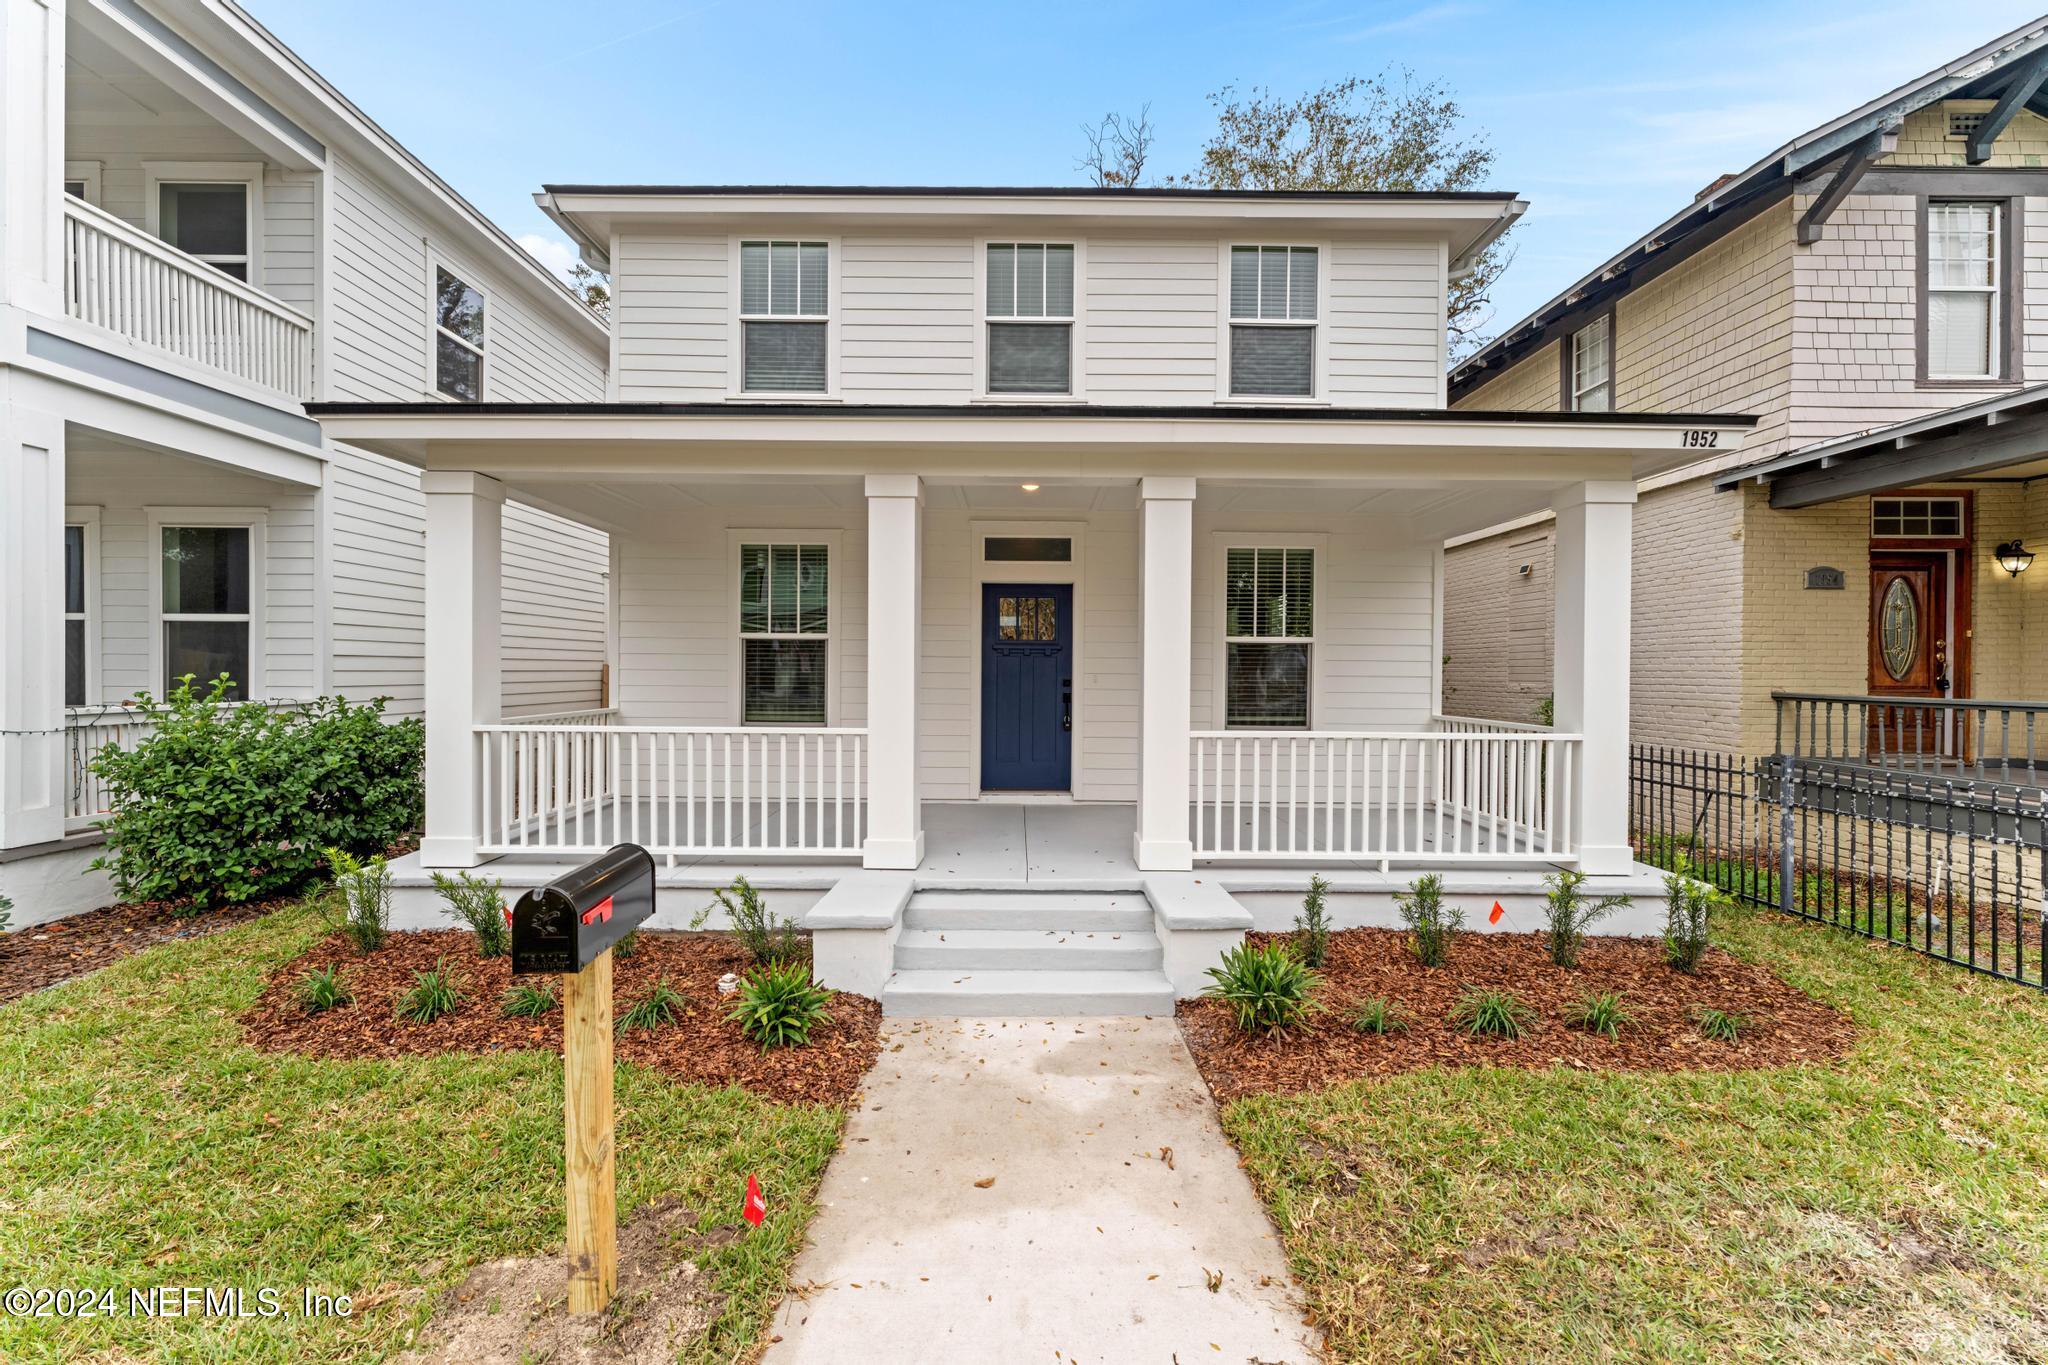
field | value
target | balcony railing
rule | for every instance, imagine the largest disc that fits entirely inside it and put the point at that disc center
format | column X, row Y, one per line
column 1463, row 791
column 554, row 788
column 1993, row 741
column 119, row 277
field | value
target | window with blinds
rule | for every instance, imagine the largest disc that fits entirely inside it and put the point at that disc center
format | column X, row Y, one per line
column 1030, row 305
column 1272, row 321
column 785, row 631
column 1593, row 367
column 1962, row 291
column 1269, row 635
column 784, row 310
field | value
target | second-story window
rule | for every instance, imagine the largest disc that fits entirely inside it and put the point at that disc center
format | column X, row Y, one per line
column 784, row 308
column 1591, row 372
column 1272, row 321
column 458, row 339
column 207, row 221
column 1030, row 317
column 1963, row 268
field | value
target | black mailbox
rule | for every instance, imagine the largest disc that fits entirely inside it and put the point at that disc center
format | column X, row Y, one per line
column 563, row 926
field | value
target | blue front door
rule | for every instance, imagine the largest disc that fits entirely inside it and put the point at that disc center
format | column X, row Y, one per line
column 1027, row 686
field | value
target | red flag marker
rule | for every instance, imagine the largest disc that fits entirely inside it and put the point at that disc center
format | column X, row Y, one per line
column 756, row 1208
column 601, row 911
column 1494, row 917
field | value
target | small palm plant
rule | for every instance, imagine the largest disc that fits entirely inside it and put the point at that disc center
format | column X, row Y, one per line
column 778, row 1006
column 1312, row 925
column 1571, row 911
column 1431, row 924
column 1688, row 906
column 1269, row 989
column 478, row 902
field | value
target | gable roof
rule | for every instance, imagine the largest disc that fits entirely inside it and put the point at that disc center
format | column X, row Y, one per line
column 1981, row 73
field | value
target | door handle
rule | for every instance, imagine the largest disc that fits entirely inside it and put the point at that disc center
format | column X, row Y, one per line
column 1066, row 704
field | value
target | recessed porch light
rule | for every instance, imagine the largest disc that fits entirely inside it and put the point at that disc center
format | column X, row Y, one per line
column 1028, row 487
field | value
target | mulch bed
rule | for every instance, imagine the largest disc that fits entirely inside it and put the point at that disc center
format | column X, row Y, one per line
column 702, row 1045
column 1782, row 1026
column 45, row 954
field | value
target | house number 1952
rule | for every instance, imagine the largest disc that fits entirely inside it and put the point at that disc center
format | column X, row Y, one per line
column 1704, row 440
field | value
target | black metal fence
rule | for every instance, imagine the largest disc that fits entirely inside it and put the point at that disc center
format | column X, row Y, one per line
column 1950, row 868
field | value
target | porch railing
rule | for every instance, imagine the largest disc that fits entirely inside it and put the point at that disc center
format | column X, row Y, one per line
column 1503, row 793
column 681, row 792
column 1999, row 741
column 119, row 277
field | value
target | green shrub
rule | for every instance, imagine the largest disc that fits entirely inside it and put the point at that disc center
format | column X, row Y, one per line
column 764, row 937
column 361, row 904
column 1719, row 1026
column 1492, row 1013
column 1688, row 906
column 1312, row 925
column 478, row 902
column 323, row 989
column 1431, row 924
column 1600, row 1014
column 6, row 913
column 779, row 1006
column 433, row 994
column 228, row 802
column 1570, row 910
column 626, row 946
column 662, row 1005
column 528, row 1000
column 1379, row 1015
column 1269, row 989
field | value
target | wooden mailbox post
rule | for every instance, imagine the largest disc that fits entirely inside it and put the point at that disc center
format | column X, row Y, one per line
column 569, row 927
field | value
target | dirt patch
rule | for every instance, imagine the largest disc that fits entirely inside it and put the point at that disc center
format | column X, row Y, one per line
column 45, row 954
column 701, row 1045
column 513, row 1311
column 1782, row 1026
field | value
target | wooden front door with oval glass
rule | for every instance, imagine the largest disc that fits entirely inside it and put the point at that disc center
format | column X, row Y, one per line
column 1027, row 686
column 1909, row 649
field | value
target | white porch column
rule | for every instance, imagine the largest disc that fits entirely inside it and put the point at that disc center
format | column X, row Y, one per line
column 32, row 739
column 1592, row 662
column 464, row 685
column 1166, row 553
column 32, row 154
column 895, row 575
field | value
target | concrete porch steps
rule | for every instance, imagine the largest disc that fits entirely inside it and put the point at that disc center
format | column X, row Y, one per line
column 1023, row 954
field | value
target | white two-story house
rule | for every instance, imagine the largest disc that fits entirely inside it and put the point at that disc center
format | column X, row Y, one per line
column 992, row 560
column 199, row 235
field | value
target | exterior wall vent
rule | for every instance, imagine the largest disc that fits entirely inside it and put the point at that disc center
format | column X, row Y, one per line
column 1962, row 125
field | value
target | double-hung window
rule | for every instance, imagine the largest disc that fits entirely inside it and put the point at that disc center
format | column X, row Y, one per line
column 1591, row 372
column 458, row 338
column 207, row 221
column 1963, row 285
column 1030, row 317
column 74, row 616
column 206, row 606
column 785, row 306
column 1273, row 321
column 1269, row 635
column 785, row 632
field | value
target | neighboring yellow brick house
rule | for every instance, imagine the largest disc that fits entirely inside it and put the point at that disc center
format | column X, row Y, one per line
column 1776, row 294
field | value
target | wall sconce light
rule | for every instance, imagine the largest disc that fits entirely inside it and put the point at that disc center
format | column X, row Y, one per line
column 2013, row 557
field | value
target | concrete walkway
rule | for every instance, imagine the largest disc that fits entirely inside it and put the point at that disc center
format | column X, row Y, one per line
column 1087, row 1246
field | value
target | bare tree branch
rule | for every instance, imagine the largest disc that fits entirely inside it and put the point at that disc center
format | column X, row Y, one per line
column 1117, row 148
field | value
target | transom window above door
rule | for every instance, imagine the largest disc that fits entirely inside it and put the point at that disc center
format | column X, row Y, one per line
column 785, row 306
column 1269, row 633
column 1030, row 301
column 785, row 632
column 209, row 221
column 1273, row 293
column 1916, row 518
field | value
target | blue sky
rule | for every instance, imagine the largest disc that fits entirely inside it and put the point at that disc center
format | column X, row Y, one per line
column 1606, row 117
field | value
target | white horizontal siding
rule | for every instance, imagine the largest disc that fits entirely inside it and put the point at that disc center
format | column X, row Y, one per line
column 906, row 319
column 671, row 312
column 1385, row 328
column 1152, row 320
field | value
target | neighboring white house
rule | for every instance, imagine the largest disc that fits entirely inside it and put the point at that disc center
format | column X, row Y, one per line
column 198, row 236
column 1077, row 545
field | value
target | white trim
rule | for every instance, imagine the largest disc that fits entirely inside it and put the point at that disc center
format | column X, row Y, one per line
column 835, row 572
column 1319, row 354
column 257, row 519
column 89, row 172
column 1072, row 572
column 94, row 614
column 1076, row 322
column 248, row 174
column 436, row 264
column 736, row 332
column 1220, row 544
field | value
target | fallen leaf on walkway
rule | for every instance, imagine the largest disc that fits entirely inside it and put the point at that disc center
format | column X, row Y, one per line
column 1166, row 1155
column 1214, row 1279
column 985, row 1182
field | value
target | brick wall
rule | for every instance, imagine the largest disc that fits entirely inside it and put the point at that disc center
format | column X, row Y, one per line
column 2004, row 645
column 1498, row 626
column 1795, row 638
column 1689, row 614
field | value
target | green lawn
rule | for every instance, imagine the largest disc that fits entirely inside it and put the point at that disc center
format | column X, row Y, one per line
column 1893, row 1207
column 142, row 1144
